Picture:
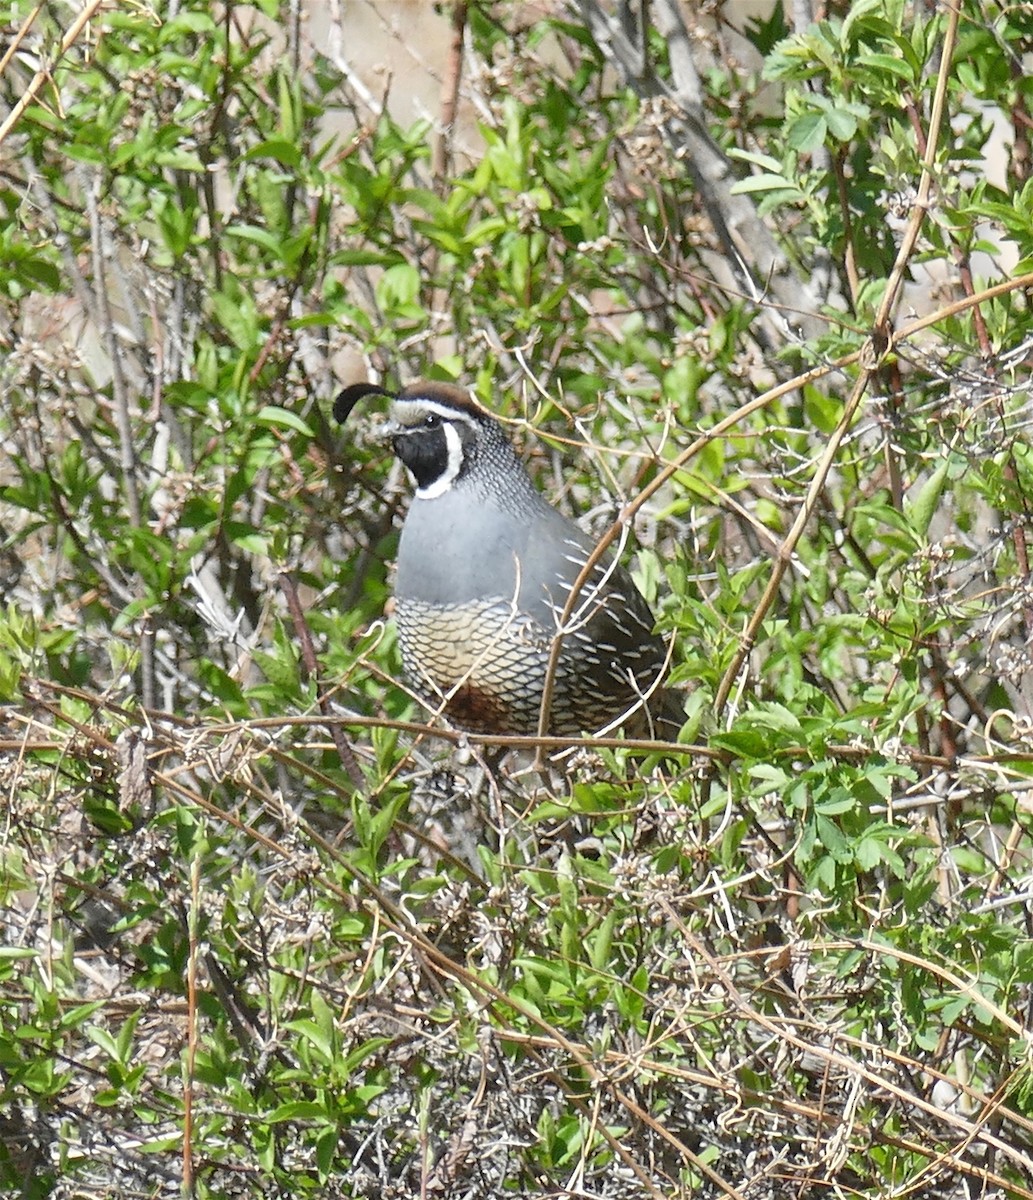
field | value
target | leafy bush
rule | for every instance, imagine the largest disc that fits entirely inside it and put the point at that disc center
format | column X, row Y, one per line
column 761, row 296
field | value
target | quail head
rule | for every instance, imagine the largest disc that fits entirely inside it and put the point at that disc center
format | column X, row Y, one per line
column 485, row 570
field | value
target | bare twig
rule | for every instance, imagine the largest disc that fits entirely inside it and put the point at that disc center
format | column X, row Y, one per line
column 43, row 74
column 311, row 665
column 755, row 263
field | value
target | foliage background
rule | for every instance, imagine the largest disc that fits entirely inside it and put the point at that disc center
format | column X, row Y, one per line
column 765, row 282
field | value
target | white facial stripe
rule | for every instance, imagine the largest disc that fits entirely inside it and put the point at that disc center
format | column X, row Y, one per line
column 422, row 407
column 455, row 460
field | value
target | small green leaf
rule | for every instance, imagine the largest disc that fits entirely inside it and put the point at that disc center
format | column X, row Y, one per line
column 923, row 507
column 178, row 159
column 297, row 1110
column 767, row 164
column 237, row 317
column 887, row 62
column 842, row 123
column 256, row 235
column 283, row 418
column 807, row 132
column 17, row 953
column 764, row 183
column 313, row 1032
column 279, row 149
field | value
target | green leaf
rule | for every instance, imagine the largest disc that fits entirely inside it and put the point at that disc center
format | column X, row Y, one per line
column 767, row 164
column 296, row 1110
column 236, row 314
column 923, row 507
column 807, row 132
column 314, row 1032
column 858, row 10
column 17, row 953
column 180, row 159
column 399, row 285
column 842, row 123
column 887, row 62
column 764, row 183
column 257, row 236
column 282, row 418
column 279, row 149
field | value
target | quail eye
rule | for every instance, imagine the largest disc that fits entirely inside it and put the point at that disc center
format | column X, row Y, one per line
column 432, row 421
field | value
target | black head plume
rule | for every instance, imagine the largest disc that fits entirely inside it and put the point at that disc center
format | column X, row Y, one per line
column 352, row 394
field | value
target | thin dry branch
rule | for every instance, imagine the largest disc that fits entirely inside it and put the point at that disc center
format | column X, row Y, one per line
column 72, row 35
column 755, row 263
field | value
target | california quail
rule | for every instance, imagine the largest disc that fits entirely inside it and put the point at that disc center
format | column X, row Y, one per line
column 485, row 568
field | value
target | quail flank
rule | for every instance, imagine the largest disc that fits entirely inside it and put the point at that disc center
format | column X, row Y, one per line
column 485, row 570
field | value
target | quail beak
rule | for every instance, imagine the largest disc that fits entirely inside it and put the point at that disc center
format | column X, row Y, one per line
column 388, row 430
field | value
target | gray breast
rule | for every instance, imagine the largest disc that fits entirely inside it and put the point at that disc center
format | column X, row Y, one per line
column 480, row 592
column 453, row 551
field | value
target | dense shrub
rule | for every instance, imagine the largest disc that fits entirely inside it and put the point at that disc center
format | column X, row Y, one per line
column 759, row 297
